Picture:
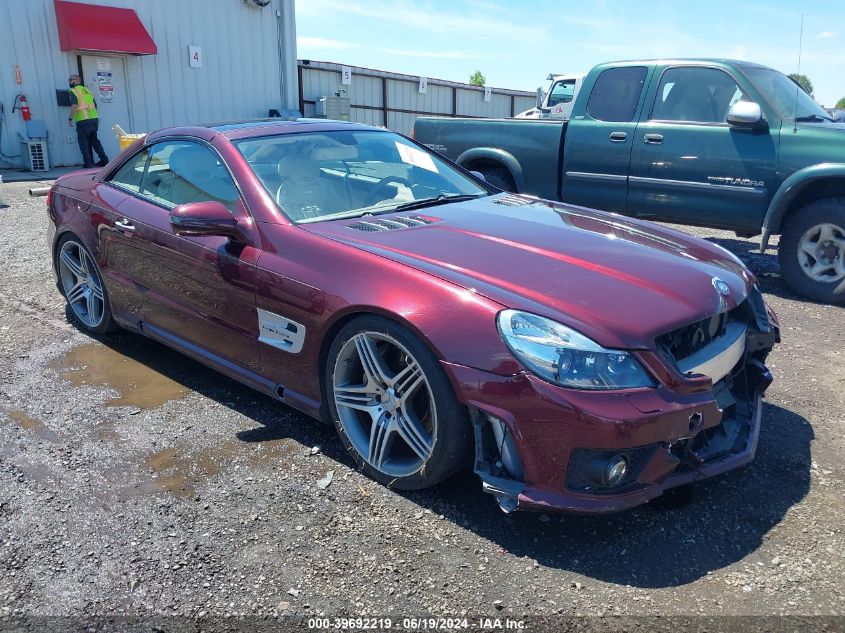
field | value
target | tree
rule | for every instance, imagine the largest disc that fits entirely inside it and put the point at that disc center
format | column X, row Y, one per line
column 840, row 104
column 804, row 82
column 477, row 79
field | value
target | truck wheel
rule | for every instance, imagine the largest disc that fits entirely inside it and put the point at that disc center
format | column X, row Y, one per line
column 499, row 177
column 812, row 251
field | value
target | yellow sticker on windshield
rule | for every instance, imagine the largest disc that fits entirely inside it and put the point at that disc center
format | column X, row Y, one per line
column 416, row 157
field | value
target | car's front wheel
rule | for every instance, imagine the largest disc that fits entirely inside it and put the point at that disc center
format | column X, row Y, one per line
column 393, row 405
column 812, row 250
column 82, row 285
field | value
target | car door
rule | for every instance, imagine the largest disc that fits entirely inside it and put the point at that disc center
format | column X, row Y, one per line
column 198, row 292
column 689, row 164
column 125, row 294
column 598, row 142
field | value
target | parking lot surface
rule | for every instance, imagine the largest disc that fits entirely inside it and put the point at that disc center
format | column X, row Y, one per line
column 136, row 481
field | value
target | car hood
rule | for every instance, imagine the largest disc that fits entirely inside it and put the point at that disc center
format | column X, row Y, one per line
column 621, row 282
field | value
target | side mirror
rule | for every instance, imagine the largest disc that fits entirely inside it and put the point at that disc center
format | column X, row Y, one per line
column 540, row 95
column 205, row 218
column 746, row 114
column 478, row 175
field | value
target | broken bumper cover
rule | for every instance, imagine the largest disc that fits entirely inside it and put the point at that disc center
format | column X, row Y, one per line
column 534, row 498
column 534, row 440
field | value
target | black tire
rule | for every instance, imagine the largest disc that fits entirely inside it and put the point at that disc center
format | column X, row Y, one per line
column 104, row 325
column 452, row 434
column 829, row 211
column 499, row 177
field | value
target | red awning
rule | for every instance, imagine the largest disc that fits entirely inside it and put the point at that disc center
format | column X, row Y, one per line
column 90, row 27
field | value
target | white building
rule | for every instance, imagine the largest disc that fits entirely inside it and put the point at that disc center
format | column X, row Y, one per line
column 149, row 63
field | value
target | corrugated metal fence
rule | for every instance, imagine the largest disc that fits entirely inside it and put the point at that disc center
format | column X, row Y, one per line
column 393, row 100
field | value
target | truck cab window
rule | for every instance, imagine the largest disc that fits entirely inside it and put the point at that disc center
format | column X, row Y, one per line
column 562, row 92
column 616, row 93
column 695, row 94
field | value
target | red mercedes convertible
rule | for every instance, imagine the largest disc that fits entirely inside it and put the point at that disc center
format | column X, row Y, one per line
column 576, row 360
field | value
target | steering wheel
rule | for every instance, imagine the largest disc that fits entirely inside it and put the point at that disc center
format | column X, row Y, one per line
column 380, row 190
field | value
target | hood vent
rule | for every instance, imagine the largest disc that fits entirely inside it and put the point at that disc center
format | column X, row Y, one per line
column 391, row 224
column 513, row 200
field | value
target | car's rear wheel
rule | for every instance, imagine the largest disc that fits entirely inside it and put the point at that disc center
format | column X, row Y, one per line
column 812, row 250
column 393, row 405
column 82, row 286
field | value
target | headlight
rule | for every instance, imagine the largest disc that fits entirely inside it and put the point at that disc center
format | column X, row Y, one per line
column 564, row 357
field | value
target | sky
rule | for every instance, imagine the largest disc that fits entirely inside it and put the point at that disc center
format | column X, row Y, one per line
column 517, row 44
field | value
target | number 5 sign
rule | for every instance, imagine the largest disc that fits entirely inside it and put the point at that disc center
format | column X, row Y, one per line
column 345, row 76
column 195, row 56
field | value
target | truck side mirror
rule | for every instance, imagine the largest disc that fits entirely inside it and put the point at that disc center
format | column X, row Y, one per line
column 540, row 94
column 746, row 114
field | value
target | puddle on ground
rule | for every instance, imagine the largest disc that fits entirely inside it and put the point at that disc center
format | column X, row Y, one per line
column 178, row 472
column 134, row 377
column 31, row 424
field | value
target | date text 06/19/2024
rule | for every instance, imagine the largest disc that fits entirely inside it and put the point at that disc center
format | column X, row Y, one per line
column 415, row 624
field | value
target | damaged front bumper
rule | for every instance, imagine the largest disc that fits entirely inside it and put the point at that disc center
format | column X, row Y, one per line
column 539, row 446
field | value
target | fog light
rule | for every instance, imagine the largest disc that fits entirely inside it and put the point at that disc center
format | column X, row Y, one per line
column 615, row 470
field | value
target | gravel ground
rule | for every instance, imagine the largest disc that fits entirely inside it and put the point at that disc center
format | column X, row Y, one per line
column 136, row 482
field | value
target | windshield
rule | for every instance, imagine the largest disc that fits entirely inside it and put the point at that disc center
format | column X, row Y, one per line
column 780, row 92
column 316, row 176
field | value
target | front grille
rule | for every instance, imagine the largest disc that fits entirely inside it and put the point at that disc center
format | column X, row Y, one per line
column 689, row 339
column 391, row 224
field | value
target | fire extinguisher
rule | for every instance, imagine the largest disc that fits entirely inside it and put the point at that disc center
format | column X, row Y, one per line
column 20, row 104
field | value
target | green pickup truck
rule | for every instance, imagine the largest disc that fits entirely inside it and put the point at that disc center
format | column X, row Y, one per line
column 718, row 143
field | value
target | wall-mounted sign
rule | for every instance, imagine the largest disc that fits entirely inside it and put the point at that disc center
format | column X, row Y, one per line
column 18, row 76
column 346, row 75
column 103, row 77
column 195, row 56
column 423, row 85
column 106, row 93
column 103, row 63
column 487, row 93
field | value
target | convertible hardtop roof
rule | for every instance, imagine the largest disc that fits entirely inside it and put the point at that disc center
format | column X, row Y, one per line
column 261, row 127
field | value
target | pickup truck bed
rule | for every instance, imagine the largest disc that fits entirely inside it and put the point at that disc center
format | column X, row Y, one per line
column 528, row 162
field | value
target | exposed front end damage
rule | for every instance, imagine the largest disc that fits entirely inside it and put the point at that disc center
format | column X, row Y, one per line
column 542, row 447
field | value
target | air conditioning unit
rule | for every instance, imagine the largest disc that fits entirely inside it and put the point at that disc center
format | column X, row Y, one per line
column 34, row 155
column 333, row 108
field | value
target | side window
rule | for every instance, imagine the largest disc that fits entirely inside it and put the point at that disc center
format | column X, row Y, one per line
column 616, row 93
column 699, row 95
column 180, row 172
column 129, row 176
column 562, row 92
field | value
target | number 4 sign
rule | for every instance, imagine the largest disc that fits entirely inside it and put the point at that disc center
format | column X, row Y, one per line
column 195, row 56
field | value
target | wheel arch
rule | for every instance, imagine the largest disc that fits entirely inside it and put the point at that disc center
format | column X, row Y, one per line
column 342, row 318
column 826, row 180
column 496, row 157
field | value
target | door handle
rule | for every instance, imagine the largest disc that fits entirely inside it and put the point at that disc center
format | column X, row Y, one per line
column 124, row 225
column 618, row 137
column 653, row 139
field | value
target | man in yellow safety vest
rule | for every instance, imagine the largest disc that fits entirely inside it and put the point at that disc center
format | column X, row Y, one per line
column 83, row 113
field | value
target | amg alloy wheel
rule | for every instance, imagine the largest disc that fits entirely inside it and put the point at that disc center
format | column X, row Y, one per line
column 82, row 286
column 393, row 406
